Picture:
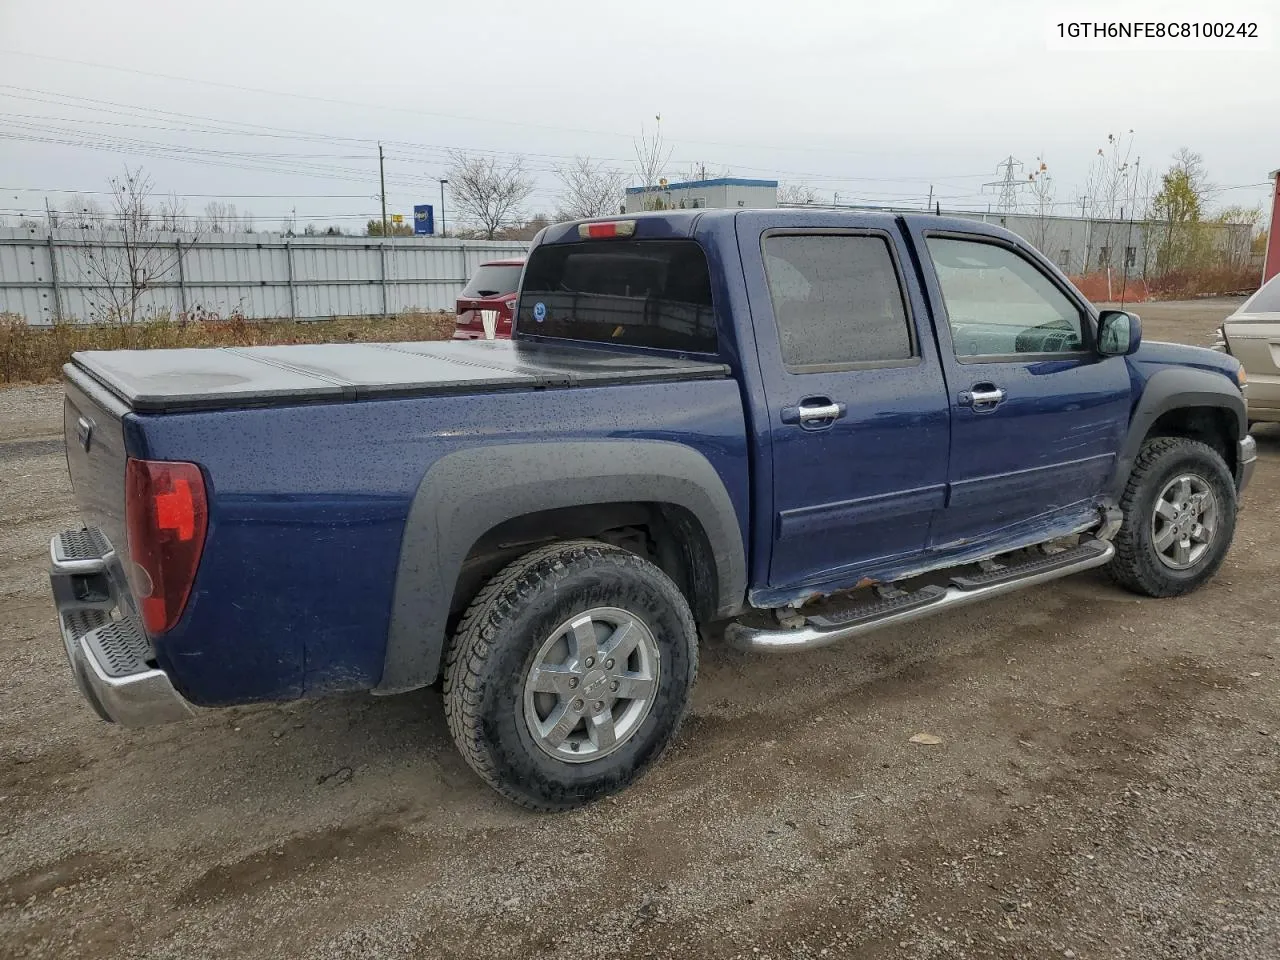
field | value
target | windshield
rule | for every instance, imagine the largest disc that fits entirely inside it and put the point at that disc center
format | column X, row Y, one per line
column 1266, row 300
column 640, row 293
column 493, row 280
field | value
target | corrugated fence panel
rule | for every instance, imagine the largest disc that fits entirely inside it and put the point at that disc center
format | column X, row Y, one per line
column 258, row 275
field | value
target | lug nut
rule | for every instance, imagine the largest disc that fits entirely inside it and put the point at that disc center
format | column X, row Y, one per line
column 608, row 664
column 599, row 706
column 573, row 682
column 614, row 686
column 577, row 705
column 590, row 661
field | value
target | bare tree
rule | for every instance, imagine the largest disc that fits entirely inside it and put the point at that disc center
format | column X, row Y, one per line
column 589, row 189
column 488, row 192
column 221, row 217
column 80, row 213
column 126, row 253
column 171, row 214
column 1042, row 202
column 653, row 157
column 1108, row 187
column 797, row 194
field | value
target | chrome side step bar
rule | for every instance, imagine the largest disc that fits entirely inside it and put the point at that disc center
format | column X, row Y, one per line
column 822, row 631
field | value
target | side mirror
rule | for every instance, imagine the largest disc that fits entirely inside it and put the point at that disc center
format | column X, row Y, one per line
column 1119, row 333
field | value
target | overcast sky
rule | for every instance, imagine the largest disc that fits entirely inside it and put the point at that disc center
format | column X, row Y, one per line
column 874, row 101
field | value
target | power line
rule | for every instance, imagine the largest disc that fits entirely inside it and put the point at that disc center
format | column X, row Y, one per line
column 362, row 105
column 441, row 153
column 200, row 196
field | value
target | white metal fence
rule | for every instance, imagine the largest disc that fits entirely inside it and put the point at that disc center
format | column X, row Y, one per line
column 46, row 275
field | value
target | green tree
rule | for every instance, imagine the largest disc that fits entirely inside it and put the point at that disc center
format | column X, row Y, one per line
column 1179, row 204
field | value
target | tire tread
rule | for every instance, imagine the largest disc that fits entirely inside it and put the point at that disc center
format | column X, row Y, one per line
column 1131, row 568
column 473, row 645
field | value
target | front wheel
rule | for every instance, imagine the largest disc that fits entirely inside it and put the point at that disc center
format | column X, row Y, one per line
column 1179, row 510
column 570, row 673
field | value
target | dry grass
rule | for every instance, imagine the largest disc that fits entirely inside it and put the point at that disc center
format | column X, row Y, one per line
column 1186, row 283
column 36, row 354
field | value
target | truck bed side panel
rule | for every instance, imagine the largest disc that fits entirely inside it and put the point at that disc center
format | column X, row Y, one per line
column 308, row 506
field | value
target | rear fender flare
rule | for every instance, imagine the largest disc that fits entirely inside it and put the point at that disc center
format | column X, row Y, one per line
column 465, row 494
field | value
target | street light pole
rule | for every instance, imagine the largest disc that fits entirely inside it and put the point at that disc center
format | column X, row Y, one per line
column 443, row 232
column 382, row 182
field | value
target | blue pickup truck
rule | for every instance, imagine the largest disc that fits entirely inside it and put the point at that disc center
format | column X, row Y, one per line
column 797, row 426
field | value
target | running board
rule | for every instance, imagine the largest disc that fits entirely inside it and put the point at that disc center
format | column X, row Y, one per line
column 822, row 630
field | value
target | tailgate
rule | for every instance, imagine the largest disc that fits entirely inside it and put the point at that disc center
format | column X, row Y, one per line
column 93, row 431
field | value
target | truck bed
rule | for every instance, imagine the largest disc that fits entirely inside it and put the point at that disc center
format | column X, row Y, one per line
column 229, row 377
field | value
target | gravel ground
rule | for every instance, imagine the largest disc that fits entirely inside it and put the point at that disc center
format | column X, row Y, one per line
column 1106, row 786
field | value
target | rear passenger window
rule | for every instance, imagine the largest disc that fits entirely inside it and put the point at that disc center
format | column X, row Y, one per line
column 837, row 300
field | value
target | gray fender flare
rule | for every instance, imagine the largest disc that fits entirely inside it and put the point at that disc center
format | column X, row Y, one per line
column 1173, row 389
column 465, row 494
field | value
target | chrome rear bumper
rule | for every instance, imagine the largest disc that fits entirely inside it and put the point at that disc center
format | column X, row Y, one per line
column 110, row 654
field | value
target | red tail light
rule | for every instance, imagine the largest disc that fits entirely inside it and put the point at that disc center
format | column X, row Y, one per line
column 606, row 229
column 166, row 515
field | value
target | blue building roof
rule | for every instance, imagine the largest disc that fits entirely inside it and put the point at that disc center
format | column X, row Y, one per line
column 717, row 182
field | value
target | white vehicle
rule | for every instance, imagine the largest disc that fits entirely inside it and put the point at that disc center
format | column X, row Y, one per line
column 1252, row 336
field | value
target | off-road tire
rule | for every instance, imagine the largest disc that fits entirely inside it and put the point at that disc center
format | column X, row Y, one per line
column 494, row 647
column 1136, row 564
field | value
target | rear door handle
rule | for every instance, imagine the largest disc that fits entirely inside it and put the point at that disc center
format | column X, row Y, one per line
column 814, row 413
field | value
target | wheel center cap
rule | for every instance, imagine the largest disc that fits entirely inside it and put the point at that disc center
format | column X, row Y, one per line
column 594, row 682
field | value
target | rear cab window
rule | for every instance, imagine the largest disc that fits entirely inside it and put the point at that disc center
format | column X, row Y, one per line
column 635, row 293
column 493, row 280
column 838, row 301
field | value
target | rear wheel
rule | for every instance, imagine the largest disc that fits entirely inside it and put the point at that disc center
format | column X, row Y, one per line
column 1179, row 517
column 570, row 673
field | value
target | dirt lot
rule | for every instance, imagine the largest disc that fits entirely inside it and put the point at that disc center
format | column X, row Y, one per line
column 1107, row 786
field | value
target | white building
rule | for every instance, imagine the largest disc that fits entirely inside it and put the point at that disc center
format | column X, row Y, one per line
column 721, row 192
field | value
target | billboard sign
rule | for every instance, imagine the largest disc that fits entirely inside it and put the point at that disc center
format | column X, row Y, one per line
column 424, row 221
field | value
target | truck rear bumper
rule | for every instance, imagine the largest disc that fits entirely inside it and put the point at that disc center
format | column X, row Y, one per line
column 109, row 652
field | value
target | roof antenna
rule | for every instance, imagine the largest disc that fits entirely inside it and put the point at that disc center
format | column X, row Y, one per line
column 937, row 208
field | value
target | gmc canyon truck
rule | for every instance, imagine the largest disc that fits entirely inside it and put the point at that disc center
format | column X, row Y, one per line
column 795, row 425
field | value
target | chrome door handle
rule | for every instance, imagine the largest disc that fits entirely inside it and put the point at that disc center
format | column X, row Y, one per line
column 982, row 395
column 986, row 396
column 828, row 411
column 814, row 414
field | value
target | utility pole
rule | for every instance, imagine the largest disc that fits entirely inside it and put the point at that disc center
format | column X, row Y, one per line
column 382, row 179
column 929, row 205
column 443, row 181
column 1088, row 234
column 1133, row 203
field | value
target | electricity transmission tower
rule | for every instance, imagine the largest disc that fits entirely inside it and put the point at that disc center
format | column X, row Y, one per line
column 1009, row 184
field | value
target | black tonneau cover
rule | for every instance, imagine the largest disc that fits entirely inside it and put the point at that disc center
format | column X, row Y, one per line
column 214, row 377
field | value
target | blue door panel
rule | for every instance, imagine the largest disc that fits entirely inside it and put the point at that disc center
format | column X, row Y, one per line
column 1048, row 487
column 1040, row 457
column 864, row 488
column 1051, row 443
column 905, row 507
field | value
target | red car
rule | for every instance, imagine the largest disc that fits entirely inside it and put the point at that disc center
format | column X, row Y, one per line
column 493, row 288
